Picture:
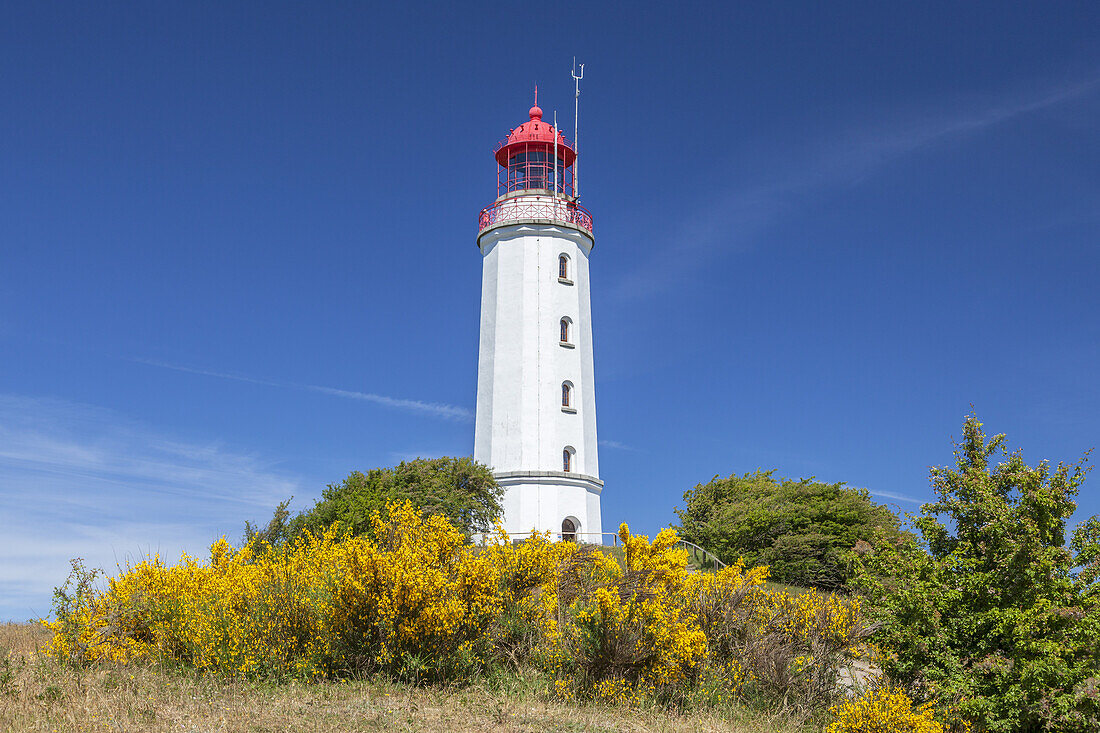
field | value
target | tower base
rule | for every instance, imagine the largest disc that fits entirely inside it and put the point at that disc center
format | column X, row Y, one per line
column 544, row 500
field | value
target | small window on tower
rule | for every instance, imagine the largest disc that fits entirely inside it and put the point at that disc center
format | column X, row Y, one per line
column 566, row 394
column 567, row 460
column 565, row 330
column 563, row 267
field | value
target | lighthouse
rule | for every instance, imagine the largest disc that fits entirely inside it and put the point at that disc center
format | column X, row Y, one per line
column 536, row 404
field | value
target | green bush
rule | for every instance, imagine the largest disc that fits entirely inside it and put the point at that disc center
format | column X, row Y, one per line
column 801, row 529
column 459, row 489
column 989, row 613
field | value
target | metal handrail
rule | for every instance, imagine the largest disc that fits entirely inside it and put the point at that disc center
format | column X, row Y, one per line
column 614, row 537
column 554, row 535
column 513, row 209
column 707, row 555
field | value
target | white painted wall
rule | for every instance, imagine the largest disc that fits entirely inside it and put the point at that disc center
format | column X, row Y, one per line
column 520, row 427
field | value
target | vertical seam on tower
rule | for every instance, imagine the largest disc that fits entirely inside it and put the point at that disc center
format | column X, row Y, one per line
column 538, row 366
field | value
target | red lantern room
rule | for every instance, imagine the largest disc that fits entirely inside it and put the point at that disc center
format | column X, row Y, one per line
column 524, row 158
column 528, row 186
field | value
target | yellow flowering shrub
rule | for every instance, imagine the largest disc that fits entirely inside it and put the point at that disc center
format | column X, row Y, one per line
column 769, row 643
column 421, row 602
column 522, row 569
column 722, row 604
column 809, row 615
column 882, row 710
column 621, row 632
column 804, row 640
column 722, row 601
column 415, row 599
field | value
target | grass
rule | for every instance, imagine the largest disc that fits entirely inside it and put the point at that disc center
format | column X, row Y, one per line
column 38, row 694
column 791, row 590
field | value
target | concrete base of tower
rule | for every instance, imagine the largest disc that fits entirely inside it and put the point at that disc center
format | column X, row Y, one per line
column 553, row 501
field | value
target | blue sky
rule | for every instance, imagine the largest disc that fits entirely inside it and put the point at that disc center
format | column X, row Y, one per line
column 237, row 252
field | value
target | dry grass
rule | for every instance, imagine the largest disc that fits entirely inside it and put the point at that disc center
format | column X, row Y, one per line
column 36, row 694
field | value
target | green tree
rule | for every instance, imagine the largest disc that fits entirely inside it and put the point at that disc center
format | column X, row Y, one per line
column 802, row 529
column 988, row 612
column 460, row 489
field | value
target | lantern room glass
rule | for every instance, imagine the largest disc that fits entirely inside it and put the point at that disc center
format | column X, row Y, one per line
column 529, row 168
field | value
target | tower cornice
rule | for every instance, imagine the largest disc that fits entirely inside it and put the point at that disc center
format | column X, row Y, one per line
column 555, row 478
column 539, row 227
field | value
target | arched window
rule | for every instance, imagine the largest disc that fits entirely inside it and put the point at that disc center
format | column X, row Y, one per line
column 563, row 267
column 567, row 460
column 565, row 330
column 566, row 394
column 568, row 530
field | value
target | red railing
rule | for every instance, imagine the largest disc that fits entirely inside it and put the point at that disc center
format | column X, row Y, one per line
column 523, row 207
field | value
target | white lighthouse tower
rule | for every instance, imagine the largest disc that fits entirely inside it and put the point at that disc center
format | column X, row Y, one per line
column 536, row 402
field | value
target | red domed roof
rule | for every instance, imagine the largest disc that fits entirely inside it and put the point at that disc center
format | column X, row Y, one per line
column 535, row 131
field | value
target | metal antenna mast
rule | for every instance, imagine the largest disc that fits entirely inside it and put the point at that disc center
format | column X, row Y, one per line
column 555, row 164
column 576, row 109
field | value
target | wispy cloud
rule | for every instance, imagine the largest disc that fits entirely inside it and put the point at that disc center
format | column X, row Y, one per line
column 897, row 497
column 615, row 445
column 81, row 481
column 436, row 409
column 397, row 456
column 36, row 558
column 431, row 409
column 865, row 149
column 733, row 220
column 729, row 225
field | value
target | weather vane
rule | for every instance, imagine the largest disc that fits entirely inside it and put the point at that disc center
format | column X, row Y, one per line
column 576, row 108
